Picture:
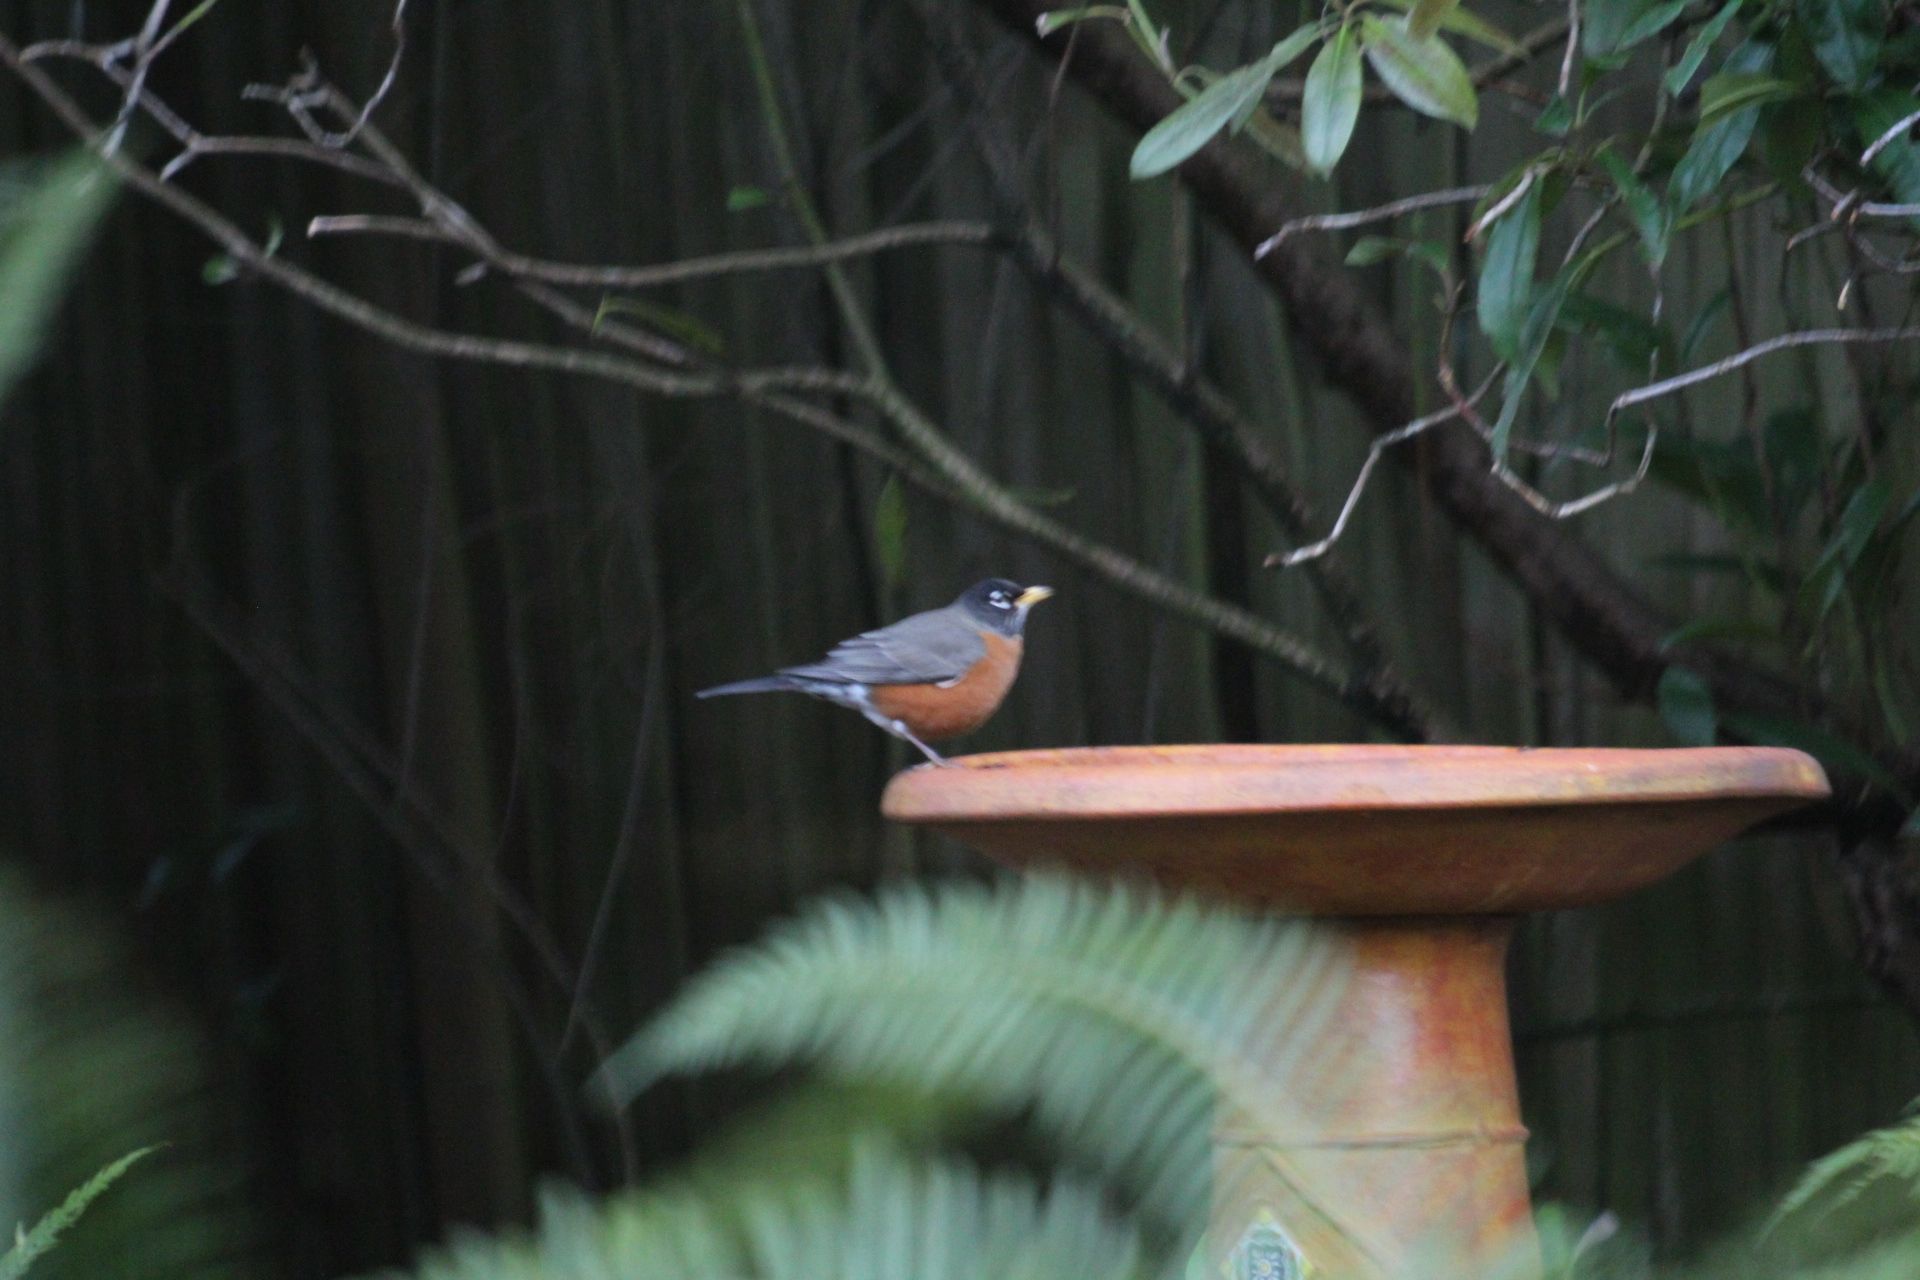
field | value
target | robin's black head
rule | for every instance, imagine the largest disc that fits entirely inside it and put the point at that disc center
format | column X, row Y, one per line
column 999, row 605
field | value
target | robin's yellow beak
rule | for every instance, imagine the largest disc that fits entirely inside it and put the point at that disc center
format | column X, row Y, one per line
column 1032, row 596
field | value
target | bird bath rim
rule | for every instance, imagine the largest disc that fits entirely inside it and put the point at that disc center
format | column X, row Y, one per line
column 1363, row 829
column 1111, row 782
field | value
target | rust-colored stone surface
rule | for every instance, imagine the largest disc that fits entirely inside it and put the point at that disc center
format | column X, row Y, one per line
column 1423, row 855
column 1362, row 830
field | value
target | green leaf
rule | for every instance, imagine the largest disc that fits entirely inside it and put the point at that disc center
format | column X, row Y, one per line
column 1731, row 90
column 870, row 1209
column 1277, row 138
column 1652, row 221
column 1683, row 71
column 1846, row 36
column 1061, row 999
column 1851, row 533
column 1717, row 629
column 890, row 531
column 1331, row 102
column 29, row 1245
column 1717, row 146
column 1232, row 99
column 1506, row 275
column 740, row 199
column 1368, row 250
column 1790, row 135
column 1604, row 26
column 1423, row 22
column 220, row 269
column 1631, row 338
column 674, row 324
column 1703, row 324
column 1686, row 707
column 1049, row 23
column 1556, row 118
column 1533, row 342
column 1650, row 24
column 1194, row 124
column 48, row 214
column 1427, row 75
column 1462, row 22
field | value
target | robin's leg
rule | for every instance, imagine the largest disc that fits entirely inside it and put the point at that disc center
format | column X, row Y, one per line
column 856, row 696
column 900, row 730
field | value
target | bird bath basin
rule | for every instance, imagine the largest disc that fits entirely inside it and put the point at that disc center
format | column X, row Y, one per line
column 1423, row 856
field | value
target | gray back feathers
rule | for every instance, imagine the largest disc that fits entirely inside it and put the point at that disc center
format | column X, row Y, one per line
column 941, row 644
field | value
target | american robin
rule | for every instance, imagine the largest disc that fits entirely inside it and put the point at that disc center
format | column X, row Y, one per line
column 932, row 676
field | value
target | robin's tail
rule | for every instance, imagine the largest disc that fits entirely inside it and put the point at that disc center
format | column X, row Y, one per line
column 765, row 684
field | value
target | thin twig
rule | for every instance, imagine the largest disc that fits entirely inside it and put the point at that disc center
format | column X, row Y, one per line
column 1888, row 138
column 1498, row 208
column 1573, row 48
column 1364, row 217
column 1740, row 359
column 1375, row 451
column 300, row 94
column 743, row 262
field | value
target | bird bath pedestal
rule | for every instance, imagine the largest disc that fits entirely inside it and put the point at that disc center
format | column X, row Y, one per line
column 1424, row 856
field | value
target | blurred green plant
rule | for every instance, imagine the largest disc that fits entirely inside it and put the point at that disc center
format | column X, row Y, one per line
column 29, row 1245
column 49, row 211
column 1113, row 1020
column 89, row 1071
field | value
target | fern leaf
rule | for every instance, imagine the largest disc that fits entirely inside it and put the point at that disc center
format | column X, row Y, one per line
column 1119, row 1018
column 892, row 1219
column 1839, row 1178
column 90, row 1069
column 31, row 1244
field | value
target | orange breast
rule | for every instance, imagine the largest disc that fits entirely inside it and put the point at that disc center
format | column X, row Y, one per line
column 934, row 712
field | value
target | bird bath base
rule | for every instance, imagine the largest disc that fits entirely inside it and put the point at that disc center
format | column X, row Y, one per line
column 1424, row 857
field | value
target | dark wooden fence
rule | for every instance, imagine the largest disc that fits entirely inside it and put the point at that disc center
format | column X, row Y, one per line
column 316, row 654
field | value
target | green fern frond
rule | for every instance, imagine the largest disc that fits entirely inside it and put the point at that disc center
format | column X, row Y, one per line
column 88, row 1071
column 1885, row 1156
column 1118, row 1017
column 890, row 1220
column 29, row 1245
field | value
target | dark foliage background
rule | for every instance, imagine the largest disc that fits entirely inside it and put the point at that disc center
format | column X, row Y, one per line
column 315, row 656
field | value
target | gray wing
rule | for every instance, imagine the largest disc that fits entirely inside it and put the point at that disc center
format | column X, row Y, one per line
column 923, row 649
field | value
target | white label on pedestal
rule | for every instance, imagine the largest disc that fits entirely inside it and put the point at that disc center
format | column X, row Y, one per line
column 1267, row 1252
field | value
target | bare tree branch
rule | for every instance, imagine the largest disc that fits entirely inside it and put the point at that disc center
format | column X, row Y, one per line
column 1366, row 217
column 784, row 258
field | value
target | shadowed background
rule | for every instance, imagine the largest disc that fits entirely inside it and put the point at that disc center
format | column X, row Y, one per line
column 357, row 686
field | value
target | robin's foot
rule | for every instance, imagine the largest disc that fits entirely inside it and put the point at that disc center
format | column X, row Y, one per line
column 902, row 731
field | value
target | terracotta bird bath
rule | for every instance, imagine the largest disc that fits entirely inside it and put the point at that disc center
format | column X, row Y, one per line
column 1424, row 856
